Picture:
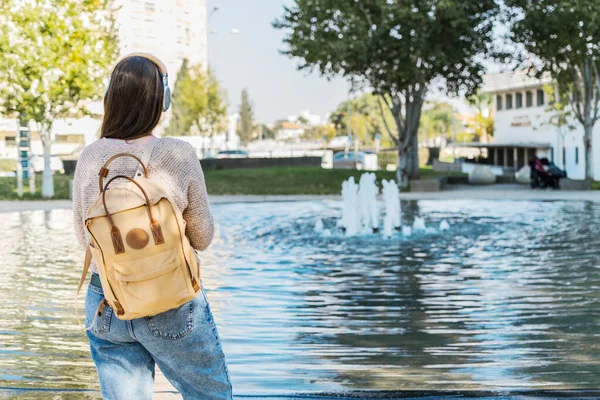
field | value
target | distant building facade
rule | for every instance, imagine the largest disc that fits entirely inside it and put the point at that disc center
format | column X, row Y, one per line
column 289, row 131
column 522, row 126
column 307, row 117
column 172, row 30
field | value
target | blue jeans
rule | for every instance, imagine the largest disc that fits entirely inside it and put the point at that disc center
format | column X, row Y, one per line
column 183, row 342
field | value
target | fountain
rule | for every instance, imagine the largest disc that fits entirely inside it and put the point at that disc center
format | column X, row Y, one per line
column 319, row 226
column 350, row 217
column 391, row 200
column 367, row 202
column 444, row 225
column 419, row 224
column 360, row 210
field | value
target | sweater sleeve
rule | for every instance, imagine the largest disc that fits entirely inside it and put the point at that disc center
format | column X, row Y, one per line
column 78, row 188
column 197, row 215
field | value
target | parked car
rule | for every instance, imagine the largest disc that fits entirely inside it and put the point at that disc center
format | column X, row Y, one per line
column 232, row 154
column 359, row 160
column 56, row 164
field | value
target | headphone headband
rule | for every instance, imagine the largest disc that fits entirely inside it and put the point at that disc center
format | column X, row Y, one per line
column 147, row 56
column 161, row 67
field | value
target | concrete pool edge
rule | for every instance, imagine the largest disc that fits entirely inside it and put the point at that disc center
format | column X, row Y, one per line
column 460, row 192
column 355, row 395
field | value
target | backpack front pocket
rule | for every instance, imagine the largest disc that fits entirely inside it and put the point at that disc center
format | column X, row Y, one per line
column 153, row 284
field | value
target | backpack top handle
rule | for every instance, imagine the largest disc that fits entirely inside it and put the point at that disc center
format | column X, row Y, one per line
column 115, row 233
column 104, row 170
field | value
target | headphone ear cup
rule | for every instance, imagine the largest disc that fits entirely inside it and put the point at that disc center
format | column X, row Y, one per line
column 167, row 99
column 107, row 86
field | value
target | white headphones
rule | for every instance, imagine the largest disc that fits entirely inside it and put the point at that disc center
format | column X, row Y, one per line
column 161, row 68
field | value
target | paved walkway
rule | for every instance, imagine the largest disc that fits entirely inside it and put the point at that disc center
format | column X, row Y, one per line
column 455, row 192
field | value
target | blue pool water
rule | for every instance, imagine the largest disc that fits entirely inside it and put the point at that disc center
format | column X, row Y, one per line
column 508, row 298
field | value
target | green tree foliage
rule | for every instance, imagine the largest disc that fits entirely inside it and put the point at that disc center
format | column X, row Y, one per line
column 563, row 36
column 436, row 121
column 396, row 49
column 365, row 119
column 267, row 132
column 319, row 132
column 483, row 121
column 198, row 103
column 55, row 59
column 246, row 118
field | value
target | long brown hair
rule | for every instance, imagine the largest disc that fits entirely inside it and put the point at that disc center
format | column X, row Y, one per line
column 134, row 100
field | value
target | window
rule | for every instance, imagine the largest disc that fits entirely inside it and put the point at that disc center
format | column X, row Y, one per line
column 509, row 99
column 577, row 155
column 528, row 99
column 149, row 7
column 498, row 103
column 564, row 156
column 519, row 100
column 70, row 138
column 540, row 97
column 10, row 140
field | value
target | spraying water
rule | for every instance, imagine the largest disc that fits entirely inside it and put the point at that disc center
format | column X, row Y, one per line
column 444, row 225
column 319, row 226
column 391, row 201
column 419, row 224
column 367, row 202
column 350, row 217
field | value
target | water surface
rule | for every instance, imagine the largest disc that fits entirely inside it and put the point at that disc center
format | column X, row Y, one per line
column 507, row 299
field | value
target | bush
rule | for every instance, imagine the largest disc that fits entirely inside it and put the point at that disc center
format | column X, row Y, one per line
column 7, row 165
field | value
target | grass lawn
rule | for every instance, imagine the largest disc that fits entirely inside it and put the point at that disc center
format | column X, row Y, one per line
column 8, row 187
column 259, row 181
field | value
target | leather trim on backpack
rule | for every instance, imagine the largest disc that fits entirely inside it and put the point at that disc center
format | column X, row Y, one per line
column 117, row 240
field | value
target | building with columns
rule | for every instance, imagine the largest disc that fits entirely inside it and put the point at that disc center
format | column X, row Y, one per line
column 523, row 128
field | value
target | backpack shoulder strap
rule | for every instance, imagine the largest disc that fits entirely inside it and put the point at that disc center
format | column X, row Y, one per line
column 147, row 154
column 86, row 267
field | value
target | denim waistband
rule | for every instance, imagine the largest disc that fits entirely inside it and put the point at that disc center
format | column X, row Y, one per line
column 95, row 281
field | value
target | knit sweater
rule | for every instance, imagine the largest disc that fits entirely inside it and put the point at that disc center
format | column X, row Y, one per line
column 173, row 163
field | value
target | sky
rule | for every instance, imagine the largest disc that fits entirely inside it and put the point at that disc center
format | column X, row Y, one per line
column 251, row 59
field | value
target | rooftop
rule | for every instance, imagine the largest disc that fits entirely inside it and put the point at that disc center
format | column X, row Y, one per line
column 505, row 81
column 526, row 145
column 289, row 125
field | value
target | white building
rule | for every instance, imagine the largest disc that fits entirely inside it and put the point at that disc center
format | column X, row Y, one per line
column 289, row 131
column 172, row 30
column 522, row 126
column 311, row 119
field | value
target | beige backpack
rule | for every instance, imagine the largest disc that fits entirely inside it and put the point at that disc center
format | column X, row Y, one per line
column 137, row 239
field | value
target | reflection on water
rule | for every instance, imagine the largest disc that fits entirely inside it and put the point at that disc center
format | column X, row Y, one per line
column 508, row 298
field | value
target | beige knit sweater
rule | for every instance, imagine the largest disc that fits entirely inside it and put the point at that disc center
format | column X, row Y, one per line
column 173, row 163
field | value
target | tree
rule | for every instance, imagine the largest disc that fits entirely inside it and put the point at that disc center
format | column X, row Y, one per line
column 55, row 57
column 302, row 121
column 267, row 132
column 436, row 121
column 319, row 132
column 246, row 118
column 395, row 49
column 564, row 38
column 365, row 119
column 198, row 102
column 483, row 122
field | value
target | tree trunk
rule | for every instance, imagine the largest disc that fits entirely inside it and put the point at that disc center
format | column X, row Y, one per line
column 47, row 180
column 402, row 171
column 589, row 157
column 413, row 166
